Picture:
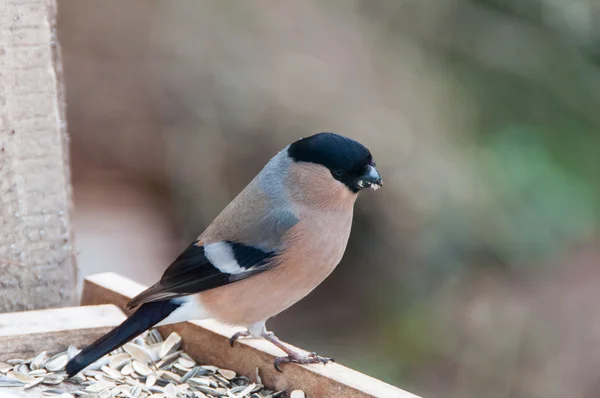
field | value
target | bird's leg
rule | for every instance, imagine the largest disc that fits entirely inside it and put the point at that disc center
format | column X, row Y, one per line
column 254, row 330
column 245, row 333
column 293, row 355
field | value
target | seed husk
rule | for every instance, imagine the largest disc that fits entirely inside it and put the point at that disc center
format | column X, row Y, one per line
column 169, row 376
column 97, row 387
column 39, row 360
column 127, row 370
column 167, row 361
column 54, row 392
column 22, row 377
column 113, row 373
column 134, row 391
column 201, row 381
column 228, row 374
column 138, row 352
column 7, row 381
column 186, row 363
column 33, row 383
column 118, row 361
column 148, row 367
column 151, row 380
column 72, row 351
column 170, row 345
column 57, row 362
column 53, row 379
column 141, row 369
column 38, row 372
column 21, row 368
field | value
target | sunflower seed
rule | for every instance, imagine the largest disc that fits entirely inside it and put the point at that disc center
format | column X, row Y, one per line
column 6, row 381
column 167, row 360
column 138, row 352
column 97, row 387
column 141, row 369
column 21, row 368
column 171, row 344
column 127, row 370
column 154, row 337
column 169, row 376
column 228, row 374
column 77, row 379
column 197, row 371
column 181, row 369
column 297, row 394
column 53, row 379
column 210, row 368
column 135, row 391
column 38, row 360
column 201, row 381
column 186, row 363
column 33, row 383
column 105, row 394
column 147, row 367
column 52, row 392
column 113, row 373
column 57, row 362
column 245, row 391
column 21, row 377
column 72, row 351
column 37, row 372
column 118, row 361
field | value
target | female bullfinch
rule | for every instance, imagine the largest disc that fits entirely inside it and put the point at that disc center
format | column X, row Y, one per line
column 270, row 247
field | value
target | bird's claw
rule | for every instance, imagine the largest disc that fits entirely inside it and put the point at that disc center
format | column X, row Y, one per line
column 237, row 336
column 301, row 359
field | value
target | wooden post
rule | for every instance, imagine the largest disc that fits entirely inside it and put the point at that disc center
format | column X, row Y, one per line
column 36, row 266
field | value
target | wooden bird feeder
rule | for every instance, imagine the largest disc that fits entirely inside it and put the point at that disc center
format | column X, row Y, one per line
column 24, row 334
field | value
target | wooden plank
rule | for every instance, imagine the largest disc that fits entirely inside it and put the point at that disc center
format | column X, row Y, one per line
column 25, row 334
column 207, row 341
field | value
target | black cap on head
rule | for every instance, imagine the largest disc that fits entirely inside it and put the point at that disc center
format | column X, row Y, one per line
column 349, row 161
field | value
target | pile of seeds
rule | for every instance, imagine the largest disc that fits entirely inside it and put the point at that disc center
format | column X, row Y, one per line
column 147, row 367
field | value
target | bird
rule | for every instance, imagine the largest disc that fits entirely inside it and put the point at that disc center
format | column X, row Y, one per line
column 275, row 242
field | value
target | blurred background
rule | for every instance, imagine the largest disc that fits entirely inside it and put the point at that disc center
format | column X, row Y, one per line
column 475, row 272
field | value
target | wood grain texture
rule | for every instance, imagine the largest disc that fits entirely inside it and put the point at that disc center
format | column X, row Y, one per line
column 207, row 341
column 25, row 334
column 36, row 264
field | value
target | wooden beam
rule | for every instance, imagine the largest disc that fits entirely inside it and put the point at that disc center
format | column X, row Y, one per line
column 207, row 341
column 26, row 334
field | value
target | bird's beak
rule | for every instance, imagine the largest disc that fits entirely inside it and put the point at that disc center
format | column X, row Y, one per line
column 371, row 179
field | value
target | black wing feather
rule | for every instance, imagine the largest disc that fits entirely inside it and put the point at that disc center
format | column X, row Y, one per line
column 192, row 272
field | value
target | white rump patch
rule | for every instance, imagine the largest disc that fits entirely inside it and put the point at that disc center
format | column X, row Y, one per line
column 191, row 309
column 221, row 256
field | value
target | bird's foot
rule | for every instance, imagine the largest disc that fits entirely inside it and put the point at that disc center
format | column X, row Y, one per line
column 292, row 354
column 238, row 335
column 301, row 359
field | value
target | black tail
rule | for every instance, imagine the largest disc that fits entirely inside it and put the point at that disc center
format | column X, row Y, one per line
column 144, row 318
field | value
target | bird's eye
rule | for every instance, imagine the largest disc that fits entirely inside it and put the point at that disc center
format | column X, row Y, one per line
column 338, row 173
